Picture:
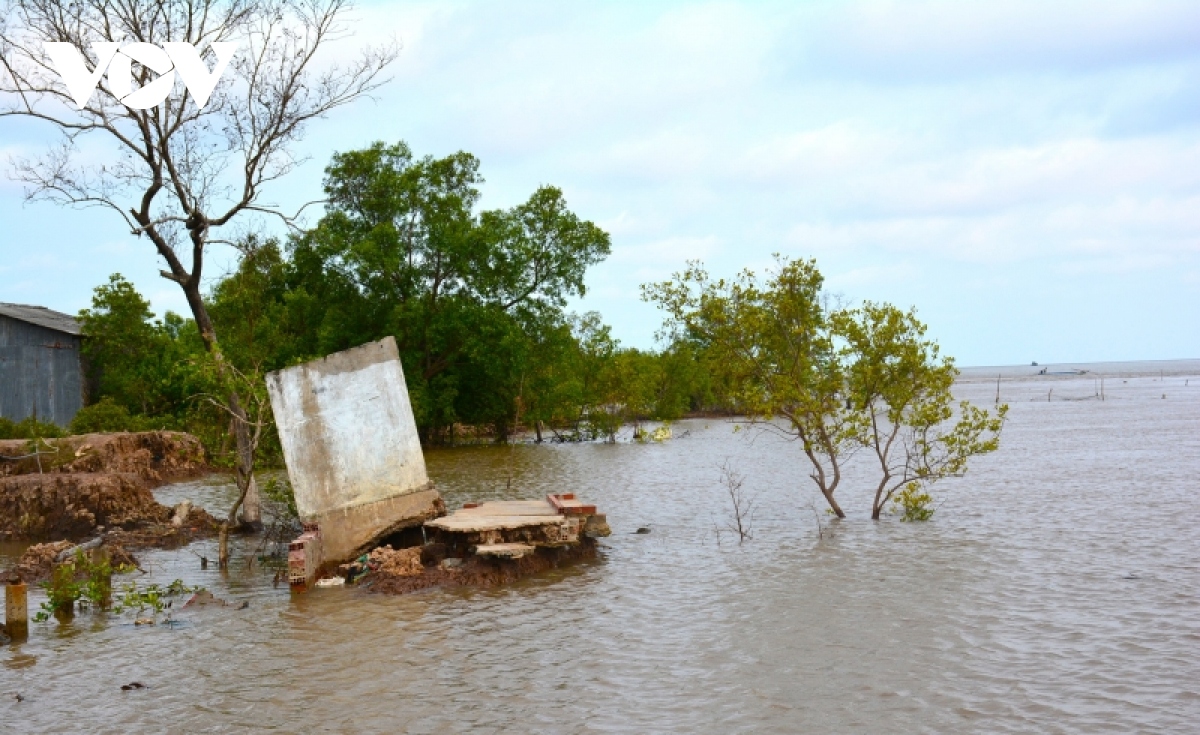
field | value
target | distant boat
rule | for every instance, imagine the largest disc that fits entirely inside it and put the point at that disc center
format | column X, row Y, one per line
column 1047, row 371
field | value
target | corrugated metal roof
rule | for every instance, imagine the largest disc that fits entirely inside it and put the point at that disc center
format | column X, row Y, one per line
column 41, row 316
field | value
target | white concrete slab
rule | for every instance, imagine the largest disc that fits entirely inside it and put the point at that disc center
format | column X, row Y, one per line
column 347, row 429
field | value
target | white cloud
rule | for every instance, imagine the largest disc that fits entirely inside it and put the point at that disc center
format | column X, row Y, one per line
column 671, row 252
column 1043, row 146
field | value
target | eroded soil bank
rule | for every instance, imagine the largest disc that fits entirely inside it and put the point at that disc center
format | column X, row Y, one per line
column 156, row 457
column 98, row 485
column 38, row 560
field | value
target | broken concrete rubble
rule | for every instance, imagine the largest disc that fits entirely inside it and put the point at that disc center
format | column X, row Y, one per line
column 473, row 571
column 485, row 544
column 352, row 452
column 354, row 459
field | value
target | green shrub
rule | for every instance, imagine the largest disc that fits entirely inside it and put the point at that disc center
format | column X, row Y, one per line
column 29, row 428
column 151, row 597
column 915, row 503
column 82, row 580
column 107, row 416
column 280, row 492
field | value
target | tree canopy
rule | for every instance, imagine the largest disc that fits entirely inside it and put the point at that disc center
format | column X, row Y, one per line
column 836, row 380
column 476, row 301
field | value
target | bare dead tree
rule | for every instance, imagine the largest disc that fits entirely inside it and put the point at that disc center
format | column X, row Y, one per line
column 179, row 175
column 254, row 417
column 741, row 503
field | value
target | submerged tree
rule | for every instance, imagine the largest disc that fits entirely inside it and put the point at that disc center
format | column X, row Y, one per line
column 895, row 378
column 773, row 343
column 179, row 173
column 839, row 379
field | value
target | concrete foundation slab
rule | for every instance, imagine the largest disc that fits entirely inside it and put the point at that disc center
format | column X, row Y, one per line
column 348, row 532
column 352, row 452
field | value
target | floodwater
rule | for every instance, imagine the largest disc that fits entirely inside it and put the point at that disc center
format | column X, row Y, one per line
column 1057, row 589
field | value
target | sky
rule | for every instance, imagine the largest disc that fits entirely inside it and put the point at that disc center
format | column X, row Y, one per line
column 1025, row 174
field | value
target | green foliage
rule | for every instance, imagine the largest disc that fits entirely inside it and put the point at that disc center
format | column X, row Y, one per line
column 154, row 597
column 142, row 372
column 28, row 428
column 475, row 300
column 62, row 591
column 902, row 388
column 128, row 355
column 841, row 379
column 80, row 580
column 148, row 374
column 108, row 416
column 772, row 343
column 914, row 503
column 657, row 435
column 280, row 492
column 468, row 296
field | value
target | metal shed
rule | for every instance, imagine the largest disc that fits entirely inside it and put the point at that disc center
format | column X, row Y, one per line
column 40, row 368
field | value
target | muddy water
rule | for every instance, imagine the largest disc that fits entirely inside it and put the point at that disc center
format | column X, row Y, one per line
column 1056, row 590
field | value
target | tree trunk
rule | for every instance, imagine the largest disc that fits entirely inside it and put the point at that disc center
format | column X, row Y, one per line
column 877, row 505
column 251, row 503
column 252, row 506
column 837, row 509
column 223, row 547
column 248, row 497
column 537, row 427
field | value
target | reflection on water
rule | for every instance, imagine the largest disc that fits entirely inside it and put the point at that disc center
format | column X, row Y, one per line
column 1056, row 590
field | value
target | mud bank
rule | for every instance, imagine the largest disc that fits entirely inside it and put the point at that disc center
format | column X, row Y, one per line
column 157, row 457
column 38, row 560
column 400, row 571
column 80, row 487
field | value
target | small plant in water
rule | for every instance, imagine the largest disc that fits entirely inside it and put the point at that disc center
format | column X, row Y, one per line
column 914, row 503
column 153, row 597
column 62, row 591
column 81, row 580
column 742, row 504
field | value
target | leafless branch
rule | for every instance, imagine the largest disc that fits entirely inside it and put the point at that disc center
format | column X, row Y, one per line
column 741, row 503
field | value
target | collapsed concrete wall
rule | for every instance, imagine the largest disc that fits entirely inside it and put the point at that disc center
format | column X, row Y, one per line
column 351, row 447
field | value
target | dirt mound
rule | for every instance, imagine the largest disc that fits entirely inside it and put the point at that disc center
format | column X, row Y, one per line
column 154, row 456
column 391, row 562
column 73, row 506
column 396, row 573
column 35, row 564
column 79, row 483
column 37, row 561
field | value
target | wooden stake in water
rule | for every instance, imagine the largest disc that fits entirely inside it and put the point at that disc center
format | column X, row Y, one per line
column 997, row 390
column 16, row 611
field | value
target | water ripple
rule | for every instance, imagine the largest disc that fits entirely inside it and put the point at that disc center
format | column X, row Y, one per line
column 1056, row 590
